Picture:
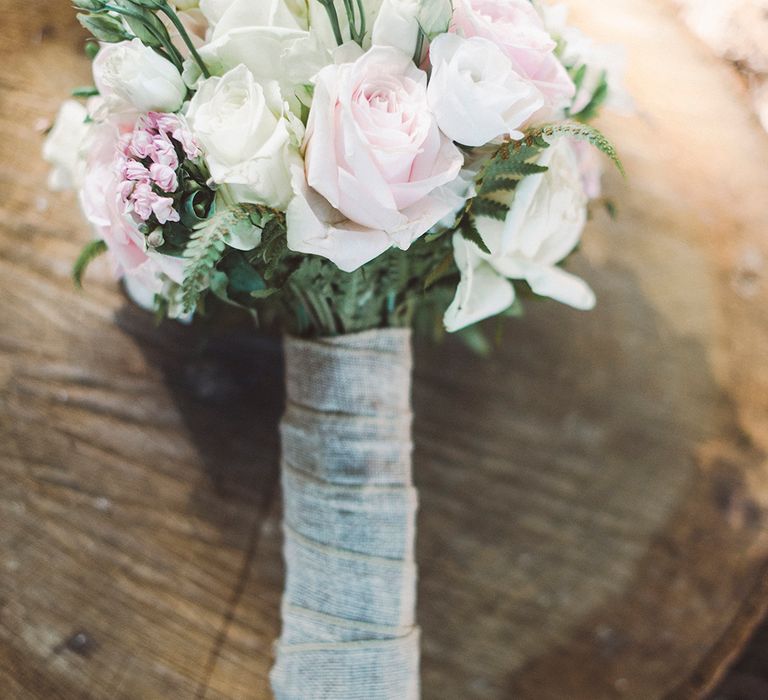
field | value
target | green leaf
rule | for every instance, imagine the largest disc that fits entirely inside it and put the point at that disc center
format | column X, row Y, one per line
column 143, row 23
column 85, row 91
column 512, row 168
column 89, row 253
column 578, row 76
column 580, row 132
column 596, row 101
column 89, row 5
column 468, row 229
column 104, row 27
column 482, row 206
column 500, row 184
column 207, row 245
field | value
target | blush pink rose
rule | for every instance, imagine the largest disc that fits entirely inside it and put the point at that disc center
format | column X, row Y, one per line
column 376, row 163
column 103, row 205
column 518, row 30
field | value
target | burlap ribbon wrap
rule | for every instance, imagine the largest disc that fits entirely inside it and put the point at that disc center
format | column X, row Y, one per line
column 348, row 608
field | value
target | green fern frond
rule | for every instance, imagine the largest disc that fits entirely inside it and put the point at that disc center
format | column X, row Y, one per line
column 580, row 132
column 89, row 253
column 482, row 206
column 206, row 247
column 500, row 184
column 470, row 232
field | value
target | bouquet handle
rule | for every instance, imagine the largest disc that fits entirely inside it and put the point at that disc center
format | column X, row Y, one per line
column 348, row 610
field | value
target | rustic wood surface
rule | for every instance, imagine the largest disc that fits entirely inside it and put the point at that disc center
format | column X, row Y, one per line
column 593, row 496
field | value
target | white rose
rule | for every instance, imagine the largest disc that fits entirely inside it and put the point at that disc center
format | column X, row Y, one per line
column 248, row 143
column 130, row 74
column 475, row 93
column 63, row 147
column 546, row 218
column 399, row 22
column 270, row 39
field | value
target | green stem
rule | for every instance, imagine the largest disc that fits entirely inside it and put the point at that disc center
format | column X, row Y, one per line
column 350, row 10
column 165, row 9
column 361, row 10
column 419, row 48
column 334, row 18
column 172, row 53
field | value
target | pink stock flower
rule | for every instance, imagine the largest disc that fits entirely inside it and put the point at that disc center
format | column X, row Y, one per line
column 164, row 177
column 518, row 30
column 103, row 202
column 148, row 158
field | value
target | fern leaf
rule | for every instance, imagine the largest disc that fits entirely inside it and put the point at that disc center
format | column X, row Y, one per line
column 499, row 184
column 580, row 132
column 468, row 229
column 206, row 248
column 86, row 257
column 482, row 206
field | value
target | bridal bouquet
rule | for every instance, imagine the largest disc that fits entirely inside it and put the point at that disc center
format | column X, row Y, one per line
column 343, row 170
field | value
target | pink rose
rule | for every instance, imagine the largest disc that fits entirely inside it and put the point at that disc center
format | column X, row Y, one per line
column 518, row 30
column 375, row 164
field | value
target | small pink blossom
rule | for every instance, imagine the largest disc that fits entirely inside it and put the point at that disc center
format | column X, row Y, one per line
column 141, row 144
column 171, row 125
column 134, row 170
column 141, row 200
column 104, row 205
column 147, row 160
column 162, row 207
column 164, row 177
column 164, row 152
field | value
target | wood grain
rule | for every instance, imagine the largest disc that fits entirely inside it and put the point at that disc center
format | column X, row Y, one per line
column 593, row 496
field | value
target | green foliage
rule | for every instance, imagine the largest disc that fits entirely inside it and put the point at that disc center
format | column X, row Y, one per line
column 85, row 91
column 118, row 20
column 468, row 228
column 104, row 27
column 89, row 253
column 580, row 132
column 599, row 96
column 207, row 244
column 484, row 206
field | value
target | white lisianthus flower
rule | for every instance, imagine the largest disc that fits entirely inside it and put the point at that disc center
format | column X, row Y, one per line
column 475, row 93
column 399, row 22
column 248, row 141
column 547, row 215
column 63, row 147
column 214, row 10
column 131, row 75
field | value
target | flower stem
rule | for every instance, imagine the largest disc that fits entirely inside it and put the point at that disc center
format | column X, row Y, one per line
column 419, row 48
column 334, row 18
column 171, row 53
column 168, row 12
column 350, row 10
column 361, row 10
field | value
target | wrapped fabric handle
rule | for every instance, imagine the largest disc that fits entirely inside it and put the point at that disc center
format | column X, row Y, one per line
column 348, row 609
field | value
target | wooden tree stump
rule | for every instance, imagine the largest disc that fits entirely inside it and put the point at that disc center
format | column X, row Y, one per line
column 593, row 496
